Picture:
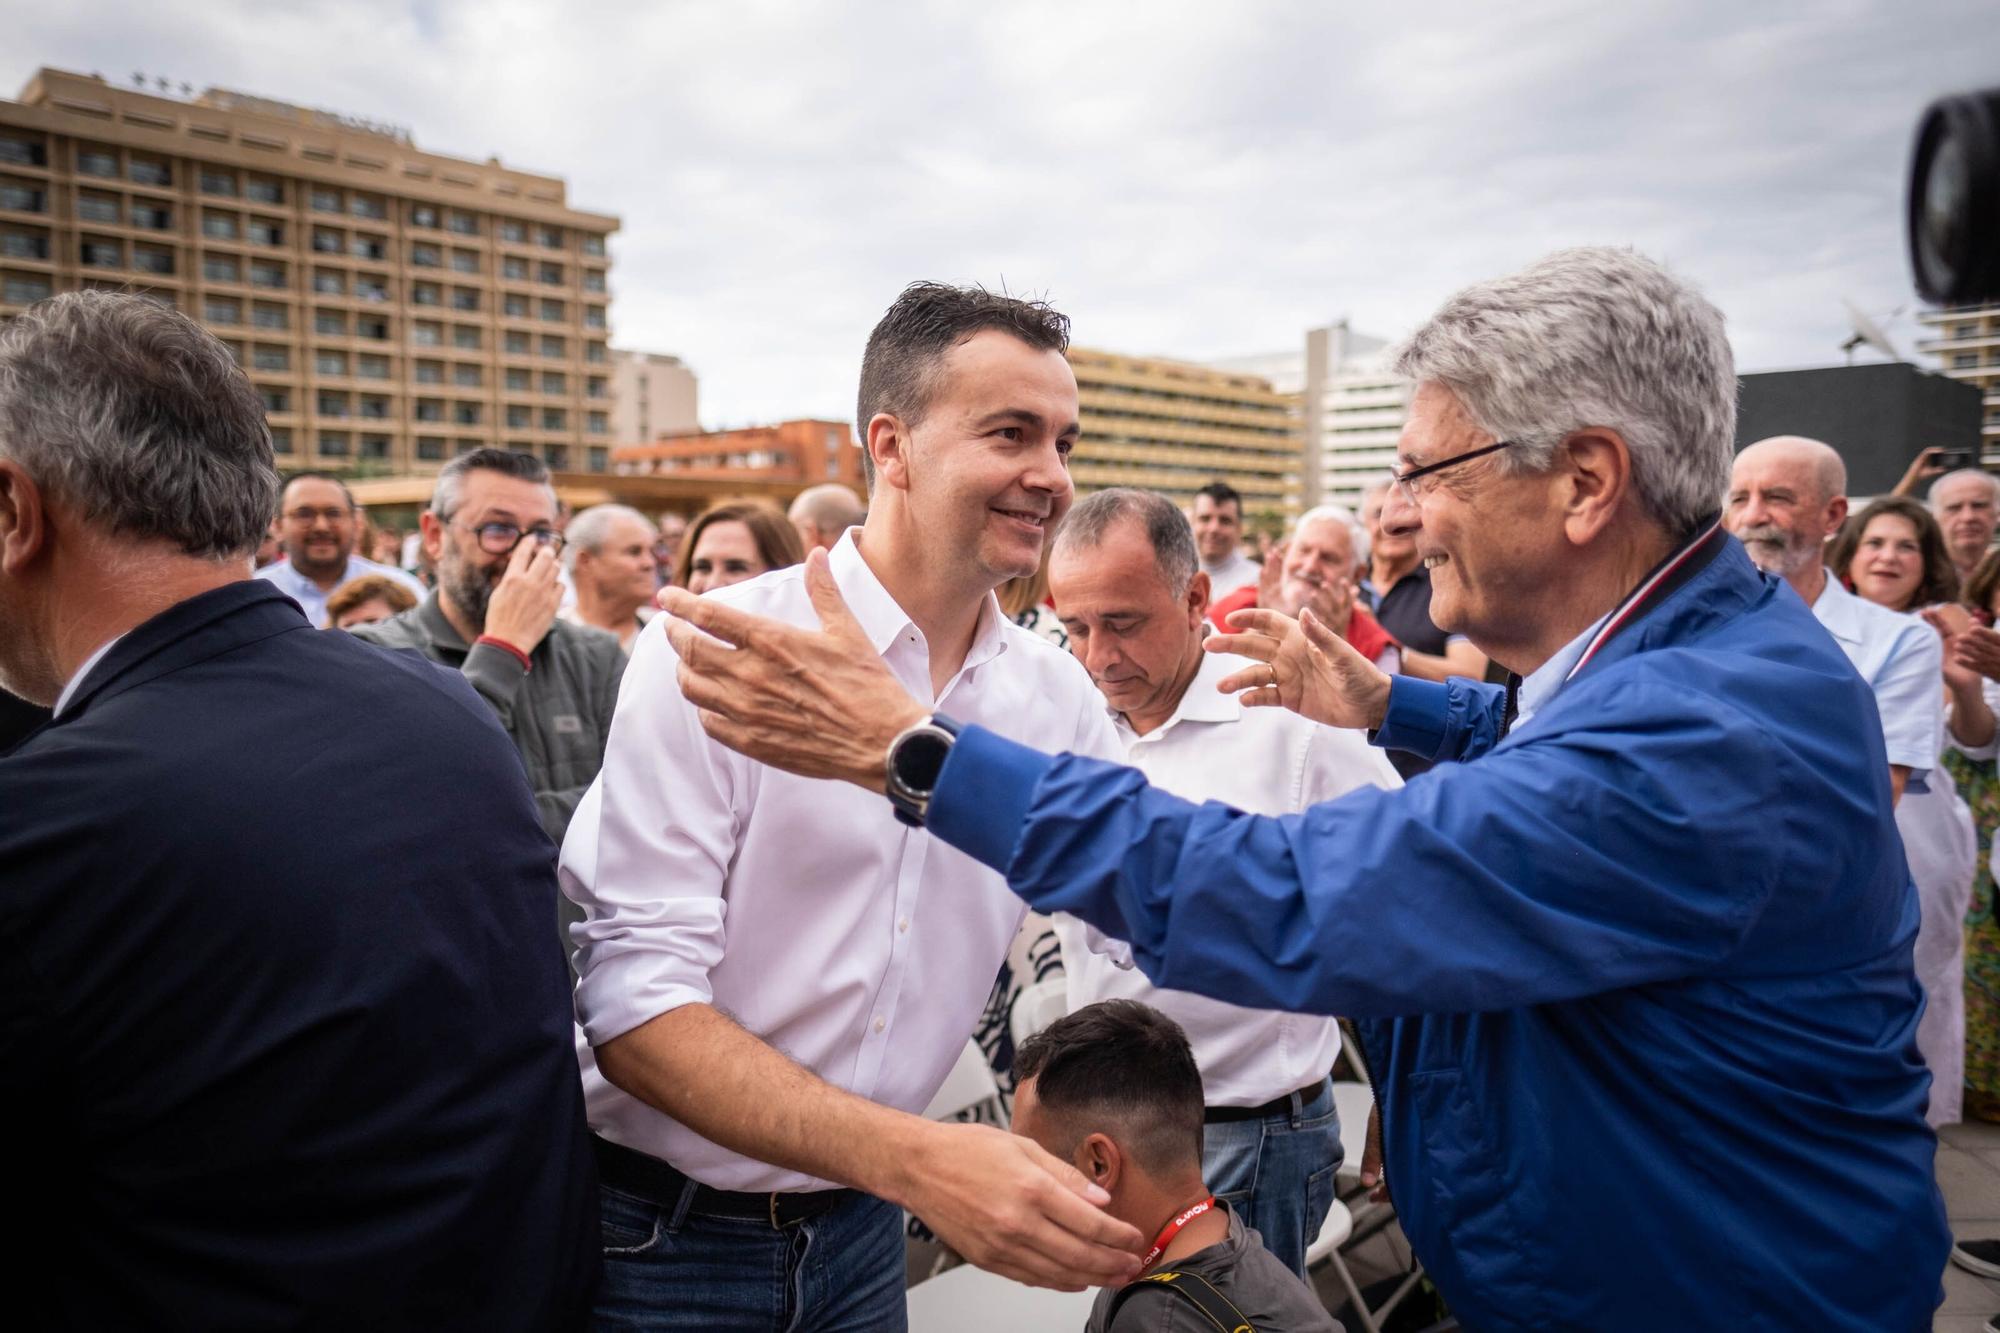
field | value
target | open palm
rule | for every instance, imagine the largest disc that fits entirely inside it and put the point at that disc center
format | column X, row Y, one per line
column 1306, row 668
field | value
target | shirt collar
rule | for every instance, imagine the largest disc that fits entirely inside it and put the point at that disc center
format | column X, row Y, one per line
column 882, row 618
column 1545, row 679
column 1839, row 611
column 76, row 680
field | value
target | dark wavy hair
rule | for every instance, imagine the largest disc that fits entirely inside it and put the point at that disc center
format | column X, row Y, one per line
column 778, row 543
column 1940, row 577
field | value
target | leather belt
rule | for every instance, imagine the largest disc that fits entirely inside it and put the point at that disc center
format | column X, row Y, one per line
column 1282, row 1105
column 661, row 1185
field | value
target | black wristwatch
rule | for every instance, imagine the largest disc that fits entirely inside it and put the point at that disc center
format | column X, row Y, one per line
column 916, row 757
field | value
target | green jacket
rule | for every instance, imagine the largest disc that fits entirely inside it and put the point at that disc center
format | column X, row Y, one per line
column 559, row 714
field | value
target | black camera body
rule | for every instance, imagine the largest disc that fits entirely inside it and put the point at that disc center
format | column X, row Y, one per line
column 1953, row 213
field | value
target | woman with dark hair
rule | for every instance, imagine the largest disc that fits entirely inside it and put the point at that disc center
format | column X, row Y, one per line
column 735, row 541
column 1893, row 554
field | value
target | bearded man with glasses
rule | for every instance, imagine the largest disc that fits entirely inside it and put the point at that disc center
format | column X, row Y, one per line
column 491, row 531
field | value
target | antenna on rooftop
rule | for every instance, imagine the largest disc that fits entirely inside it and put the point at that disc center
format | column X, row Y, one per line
column 1868, row 333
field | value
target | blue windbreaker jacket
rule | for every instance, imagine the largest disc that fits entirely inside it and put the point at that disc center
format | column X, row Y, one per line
column 1636, row 978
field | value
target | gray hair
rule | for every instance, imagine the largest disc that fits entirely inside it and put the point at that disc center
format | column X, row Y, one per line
column 1588, row 337
column 1165, row 526
column 133, row 415
column 830, row 507
column 1357, row 531
column 1992, row 484
column 450, row 487
column 589, row 530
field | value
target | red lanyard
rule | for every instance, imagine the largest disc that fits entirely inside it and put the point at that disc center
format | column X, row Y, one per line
column 1172, row 1229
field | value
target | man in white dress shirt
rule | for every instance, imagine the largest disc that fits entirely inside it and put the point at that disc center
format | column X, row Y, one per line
column 1218, row 535
column 776, row 973
column 1135, row 606
column 317, row 522
column 1787, row 496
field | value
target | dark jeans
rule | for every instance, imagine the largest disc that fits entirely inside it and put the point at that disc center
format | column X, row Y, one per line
column 669, row 1269
column 1277, row 1172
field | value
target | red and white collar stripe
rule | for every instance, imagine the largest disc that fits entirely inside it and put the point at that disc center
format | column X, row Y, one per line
column 1631, row 605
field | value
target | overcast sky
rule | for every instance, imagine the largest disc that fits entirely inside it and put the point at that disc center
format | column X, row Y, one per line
column 1193, row 180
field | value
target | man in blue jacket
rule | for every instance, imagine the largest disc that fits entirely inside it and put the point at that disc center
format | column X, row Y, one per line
column 1637, row 966
column 279, row 1047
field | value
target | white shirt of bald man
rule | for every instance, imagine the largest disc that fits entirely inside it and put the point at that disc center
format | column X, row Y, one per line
column 860, row 947
column 1265, row 761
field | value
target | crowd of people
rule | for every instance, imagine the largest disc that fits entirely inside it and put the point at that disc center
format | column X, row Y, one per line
column 1523, row 765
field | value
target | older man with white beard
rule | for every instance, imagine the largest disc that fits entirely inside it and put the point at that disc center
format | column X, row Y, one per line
column 1317, row 568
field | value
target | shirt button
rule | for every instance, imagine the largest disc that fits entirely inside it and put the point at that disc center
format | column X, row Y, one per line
column 879, row 1025
column 903, row 926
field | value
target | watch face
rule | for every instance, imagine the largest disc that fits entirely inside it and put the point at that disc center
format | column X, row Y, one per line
column 919, row 760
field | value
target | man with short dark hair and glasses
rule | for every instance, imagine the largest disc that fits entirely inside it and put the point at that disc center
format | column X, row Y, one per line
column 317, row 522
column 491, row 530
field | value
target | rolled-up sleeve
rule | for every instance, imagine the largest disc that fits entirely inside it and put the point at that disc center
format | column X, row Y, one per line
column 647, row 855
column 1909, row 693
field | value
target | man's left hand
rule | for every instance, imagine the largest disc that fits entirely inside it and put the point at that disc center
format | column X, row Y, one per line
column 819, row 703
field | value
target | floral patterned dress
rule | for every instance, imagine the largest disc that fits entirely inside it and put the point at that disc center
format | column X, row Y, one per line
column 1979, row 786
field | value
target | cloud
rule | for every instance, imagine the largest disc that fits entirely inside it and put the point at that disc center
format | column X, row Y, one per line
column 1185, row 179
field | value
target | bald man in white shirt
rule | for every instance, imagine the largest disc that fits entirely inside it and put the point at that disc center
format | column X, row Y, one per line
column 1135, row 605
column 776, row 973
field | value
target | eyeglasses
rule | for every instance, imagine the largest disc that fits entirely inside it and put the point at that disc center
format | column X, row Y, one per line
column 308, row 516
column 1406, row 482
column 500, row 538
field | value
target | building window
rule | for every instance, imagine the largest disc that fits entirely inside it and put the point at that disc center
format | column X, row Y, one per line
column 595, row 387
column 101, row 254
column 1964, row 360
column 593, row 316
column 263, row 273
column 329, row 281
column 516, row 307
column 464, row 261
column 91, row 207
column 21, row 289
column 220, row 268
column 218, row 182
column 259, row 190
column 462, row 224
column 464, row 298
column 96, row 162
column 270, row 316
column 366, row 206
column 519, row 418
column 27, row 199
column 221, row 226
column 331, row 363
column 330, row 323
column 371, row 367
column 465, row 337
column 428, row 372
column 426, row 256
column 552, row 238
column 554, row 311
column 593, row 245
column 22, row 152
column 426, row 334
column 466, row 414
column 554, row 381
column 556, row 456
column 23, row 245
column 325, row 200
column 552, row 274
column 374, row 446
column 281, row 440
column 515, row 232
column 423, row 215
column 327, row 242
column 597, row 424
column 368, row 247
column 275, row 400
column 425, row 293
column 152, row 217
column 145, row 171
column 374, row 407
column 514, row 268
column 554, row 418
column 553, row 346
column 593, row 280
column 517, row 343
column 467, row 377
column 371, row 287
column 519, row 381
column 271, row 358
column 371, row 326
column 333, row 443
column 332, row 404
column 595, row 353
column 429, row 409
column 265, row 232
column 217, row 310
column 430, row 449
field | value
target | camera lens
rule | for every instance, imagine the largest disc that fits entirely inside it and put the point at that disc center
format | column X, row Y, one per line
column 1952, row 217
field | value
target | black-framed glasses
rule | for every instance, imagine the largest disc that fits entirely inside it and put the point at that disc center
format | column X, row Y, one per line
column 1405, row 481
column 501, row 538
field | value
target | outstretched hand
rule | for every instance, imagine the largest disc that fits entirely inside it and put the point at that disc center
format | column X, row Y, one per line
column 817, row 702
column 1306, row 667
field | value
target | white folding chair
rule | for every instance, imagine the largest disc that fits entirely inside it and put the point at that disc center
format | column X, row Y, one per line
column 1037, row 1006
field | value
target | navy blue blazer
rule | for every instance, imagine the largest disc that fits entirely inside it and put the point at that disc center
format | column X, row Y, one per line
column 284, row 1038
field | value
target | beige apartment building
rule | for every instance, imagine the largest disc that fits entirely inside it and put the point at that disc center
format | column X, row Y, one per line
column 393, row 306
column 1173, row 427
column 652, row 395
column 1966, row 342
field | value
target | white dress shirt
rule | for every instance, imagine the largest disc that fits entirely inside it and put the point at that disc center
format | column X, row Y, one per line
column 1266, row 761
column 1902, row 660
column 859, row 947
column 75, row 682
column 312, row 600
column 1225, row 576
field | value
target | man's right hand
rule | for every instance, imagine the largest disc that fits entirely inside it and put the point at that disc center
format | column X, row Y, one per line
column 1306, row 667
column 1013, row 1209
column 1924, row 467
column 524, row 604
